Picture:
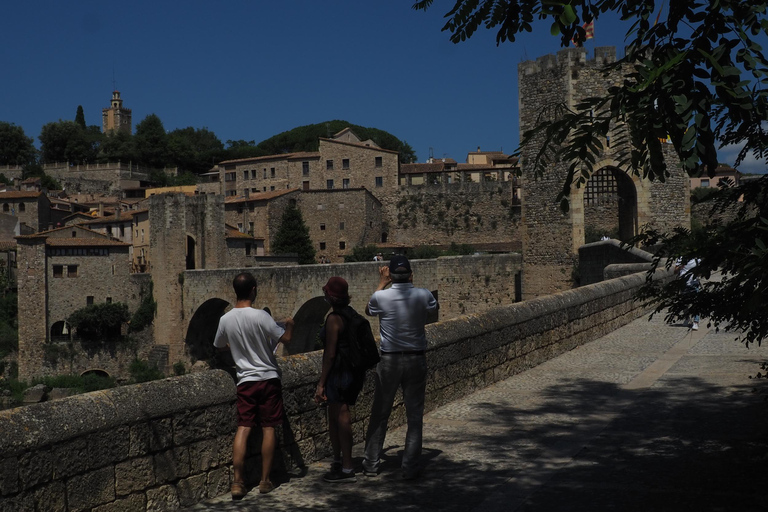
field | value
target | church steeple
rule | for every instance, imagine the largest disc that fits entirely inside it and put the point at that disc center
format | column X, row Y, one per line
column 116, row 117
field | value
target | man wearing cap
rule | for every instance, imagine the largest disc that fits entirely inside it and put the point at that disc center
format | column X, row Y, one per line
column 247, row 333
column 402, row 310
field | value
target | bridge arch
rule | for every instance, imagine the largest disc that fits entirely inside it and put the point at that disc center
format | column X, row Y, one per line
column 308, row 319
column 95, row 371
column 202, row 329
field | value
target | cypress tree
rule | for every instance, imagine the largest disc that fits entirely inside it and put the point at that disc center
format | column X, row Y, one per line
column 293, row 236
column 80, row 116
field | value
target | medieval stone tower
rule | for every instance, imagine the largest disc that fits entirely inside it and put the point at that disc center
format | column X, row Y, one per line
column 186, row 233
column 614, row 201
column 116, row 117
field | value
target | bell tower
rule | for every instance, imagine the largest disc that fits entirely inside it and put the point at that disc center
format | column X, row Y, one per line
column 116, row 117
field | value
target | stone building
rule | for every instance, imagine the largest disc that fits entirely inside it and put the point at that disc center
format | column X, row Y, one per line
column 341, row 162
column 32, row 208
column 550, row 236
column 339, row 220
column 116, row 117
column 259, row 214
column 59, row 272
column 242, row 248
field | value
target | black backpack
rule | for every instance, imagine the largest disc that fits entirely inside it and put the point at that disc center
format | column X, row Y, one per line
column 358, row 349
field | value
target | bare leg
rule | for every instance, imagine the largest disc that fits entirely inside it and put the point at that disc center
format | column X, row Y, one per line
column 333, row 429
column 238, row 452
column 344, row 425
column 268, row 444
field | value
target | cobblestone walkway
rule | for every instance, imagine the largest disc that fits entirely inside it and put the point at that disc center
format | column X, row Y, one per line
column 651, row 417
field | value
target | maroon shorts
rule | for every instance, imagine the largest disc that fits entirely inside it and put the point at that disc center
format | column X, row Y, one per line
column 260, row 403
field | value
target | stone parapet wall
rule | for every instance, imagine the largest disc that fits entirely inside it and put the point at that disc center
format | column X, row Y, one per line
column 464, row 213
column 595, row 257
column 166, row 444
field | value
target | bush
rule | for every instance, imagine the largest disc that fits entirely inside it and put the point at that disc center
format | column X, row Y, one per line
column 179, row 368
column 701, row 194
column 141, row 371
column 362, row 253
column 99, row 321
column 424, row 252
column 9, row 340
column 145, row 314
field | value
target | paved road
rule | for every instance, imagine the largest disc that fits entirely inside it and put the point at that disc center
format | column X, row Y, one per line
column 651, row 417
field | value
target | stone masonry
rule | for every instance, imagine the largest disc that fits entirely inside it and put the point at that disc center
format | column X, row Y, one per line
column 165, row 445
column 551, row 237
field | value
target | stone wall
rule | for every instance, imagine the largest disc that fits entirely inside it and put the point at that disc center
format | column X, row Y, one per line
column 462, row 283
column 95, row 178
column 595, row 257
column 464, row 213
column 349, row 217
column 167, row 444
column 552, row 236
column 185, row 231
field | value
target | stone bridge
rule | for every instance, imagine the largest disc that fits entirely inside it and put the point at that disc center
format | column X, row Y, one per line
column 462, row 284
column 166, row 444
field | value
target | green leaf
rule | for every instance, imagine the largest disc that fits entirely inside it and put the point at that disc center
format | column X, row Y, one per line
column 554, row 29
column 568, row 16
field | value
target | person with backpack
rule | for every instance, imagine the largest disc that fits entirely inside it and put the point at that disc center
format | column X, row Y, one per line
column 341, row 378
column 402, row 310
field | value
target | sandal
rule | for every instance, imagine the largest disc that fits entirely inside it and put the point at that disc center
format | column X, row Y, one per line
column 238, row 490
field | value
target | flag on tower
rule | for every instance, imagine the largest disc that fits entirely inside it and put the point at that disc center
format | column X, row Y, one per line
column 589, row 33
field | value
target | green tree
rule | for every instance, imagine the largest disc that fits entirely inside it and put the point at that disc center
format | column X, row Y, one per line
column 293, row 236
column 151, row 142
column 195, row 150
column 80, row 117
column 99, row 322
column 117, row 146
column 241, row 149
column 15, row 147
column 305, row 138
column 67, row 141
column 695, row 73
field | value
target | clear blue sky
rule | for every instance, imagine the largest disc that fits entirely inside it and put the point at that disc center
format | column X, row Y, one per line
column 252, row 69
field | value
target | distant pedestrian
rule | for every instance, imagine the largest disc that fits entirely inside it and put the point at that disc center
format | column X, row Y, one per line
column 339, row 384
column 402, row 310
column 692, row 285
column 247, row 333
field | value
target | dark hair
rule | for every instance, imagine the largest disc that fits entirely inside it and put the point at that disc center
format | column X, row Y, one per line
column 337, row 303
column 400, row 277
column 243, row 284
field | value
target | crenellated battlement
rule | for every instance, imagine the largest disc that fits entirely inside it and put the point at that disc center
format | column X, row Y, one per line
column 568, row 58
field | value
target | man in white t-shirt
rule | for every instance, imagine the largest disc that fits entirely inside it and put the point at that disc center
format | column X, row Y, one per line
column 247, row 333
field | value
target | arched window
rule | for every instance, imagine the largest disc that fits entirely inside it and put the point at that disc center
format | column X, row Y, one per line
column 22, row 207
column 6, row 207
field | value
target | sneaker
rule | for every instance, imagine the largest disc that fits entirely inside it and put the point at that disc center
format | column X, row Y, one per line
column 695, row 326
column 266, row 486
column 335, row 466
column 370, row 472
column 338, row 477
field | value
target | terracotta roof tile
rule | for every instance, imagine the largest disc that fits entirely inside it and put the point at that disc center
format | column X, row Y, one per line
column 20, row 194
column 84, row 242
